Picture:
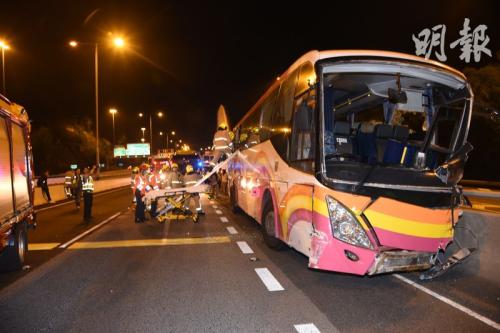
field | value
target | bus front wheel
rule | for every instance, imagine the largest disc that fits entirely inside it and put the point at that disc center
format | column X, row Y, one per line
column 268, row 228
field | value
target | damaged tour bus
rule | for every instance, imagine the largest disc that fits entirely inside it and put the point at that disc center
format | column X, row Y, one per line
column 353, row 158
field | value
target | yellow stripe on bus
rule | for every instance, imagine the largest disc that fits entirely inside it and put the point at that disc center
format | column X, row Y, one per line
column 408, row 227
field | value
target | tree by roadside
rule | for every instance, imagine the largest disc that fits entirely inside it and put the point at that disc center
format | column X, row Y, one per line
column 55, row 148
column 484, row 134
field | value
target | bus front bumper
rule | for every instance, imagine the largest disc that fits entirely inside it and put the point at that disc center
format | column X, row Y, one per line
column 401, row 261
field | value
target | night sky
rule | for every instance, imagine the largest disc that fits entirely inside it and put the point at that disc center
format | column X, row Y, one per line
column 188, row 57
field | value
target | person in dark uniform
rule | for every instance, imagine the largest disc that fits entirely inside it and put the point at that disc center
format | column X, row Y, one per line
column 88, row 190
column 140, row 184
column 42, row 182
column 77, row 184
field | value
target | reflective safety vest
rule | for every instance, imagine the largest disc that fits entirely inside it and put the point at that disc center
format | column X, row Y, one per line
column 175, row 180
column 88, row 184
column 191, row 178
column 67, row 179
column 154, row 181
column 139, row 183
column 221, row 140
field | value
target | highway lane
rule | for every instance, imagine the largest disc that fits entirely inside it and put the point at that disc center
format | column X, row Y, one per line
column 185, row 277
column 62, row 222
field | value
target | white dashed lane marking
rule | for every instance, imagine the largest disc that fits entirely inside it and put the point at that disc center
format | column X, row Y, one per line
column 214, row 206
column 306, row 328
column 244, row 247
column 219, row 212
column 224, row 219
column 448, row 301
column 232, row 230
column 268, row 279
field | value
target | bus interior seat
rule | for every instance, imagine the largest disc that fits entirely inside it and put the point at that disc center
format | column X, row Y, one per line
column 401, row 133
column 365, row 145
column 383, row 132
column 343, row 139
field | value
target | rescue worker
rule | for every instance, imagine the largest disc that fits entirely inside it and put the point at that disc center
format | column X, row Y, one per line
column 190, row 179
column 135, row 171
column 88, row 190
column 68, row 177
column 174, row 179
column 222, row 143
column 140, row 191
column 163, row 175
column 153, row 184
column 77, row 185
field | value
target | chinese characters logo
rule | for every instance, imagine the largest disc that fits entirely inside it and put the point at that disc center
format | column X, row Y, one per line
column 472, row 43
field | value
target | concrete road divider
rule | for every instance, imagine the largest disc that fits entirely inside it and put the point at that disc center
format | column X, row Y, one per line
column 57, row 190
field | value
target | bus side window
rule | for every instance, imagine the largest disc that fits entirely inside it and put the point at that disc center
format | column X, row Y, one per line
column 282, row 117
column 249, row 133
column 283, row 114
column 267, row 112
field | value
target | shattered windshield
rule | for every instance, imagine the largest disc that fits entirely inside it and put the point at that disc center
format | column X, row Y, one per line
column 390, row 117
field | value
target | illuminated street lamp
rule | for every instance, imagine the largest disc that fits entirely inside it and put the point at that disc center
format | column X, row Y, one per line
column 143, row 129
column 169, row 141
column 74, row 44
column 4, row 47
column 159, row 114
column 113, row 112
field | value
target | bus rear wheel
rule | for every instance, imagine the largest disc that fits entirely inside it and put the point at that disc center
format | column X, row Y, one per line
column 14, row 254
column 268, row 228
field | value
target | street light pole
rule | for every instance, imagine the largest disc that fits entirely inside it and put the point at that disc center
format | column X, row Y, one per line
column 3, row 68
column 4, row 47
column 168, row 133
column 96, row 56
column 151, row 132
column 118, row 42
column 113, row 112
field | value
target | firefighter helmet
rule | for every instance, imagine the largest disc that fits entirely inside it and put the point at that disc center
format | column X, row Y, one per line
column 189, row 168
column 175, row 166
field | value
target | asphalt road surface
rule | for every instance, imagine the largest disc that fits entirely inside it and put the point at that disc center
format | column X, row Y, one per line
column 218, row 276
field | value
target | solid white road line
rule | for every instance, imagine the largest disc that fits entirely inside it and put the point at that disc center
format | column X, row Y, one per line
column 65, row 245
column 306, row 328
column 244, row 247
column 448, row 301
column 219, row 212
column 224, row 219
column 232, row 230
column 268, row 279
column 98, row 194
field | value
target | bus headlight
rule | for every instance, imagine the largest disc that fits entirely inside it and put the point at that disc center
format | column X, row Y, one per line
column 345, row 227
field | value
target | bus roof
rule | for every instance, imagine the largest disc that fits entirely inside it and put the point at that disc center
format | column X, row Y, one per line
column 315, row 55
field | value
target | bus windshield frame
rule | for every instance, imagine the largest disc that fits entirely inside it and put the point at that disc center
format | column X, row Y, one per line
column 366, row 136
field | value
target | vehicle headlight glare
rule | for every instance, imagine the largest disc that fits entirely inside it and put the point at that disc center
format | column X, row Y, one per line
column 345, row 227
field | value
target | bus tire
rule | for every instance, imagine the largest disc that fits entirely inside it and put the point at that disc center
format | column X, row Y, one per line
column 268, row 228
column 234, row 200
column 14, row 254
